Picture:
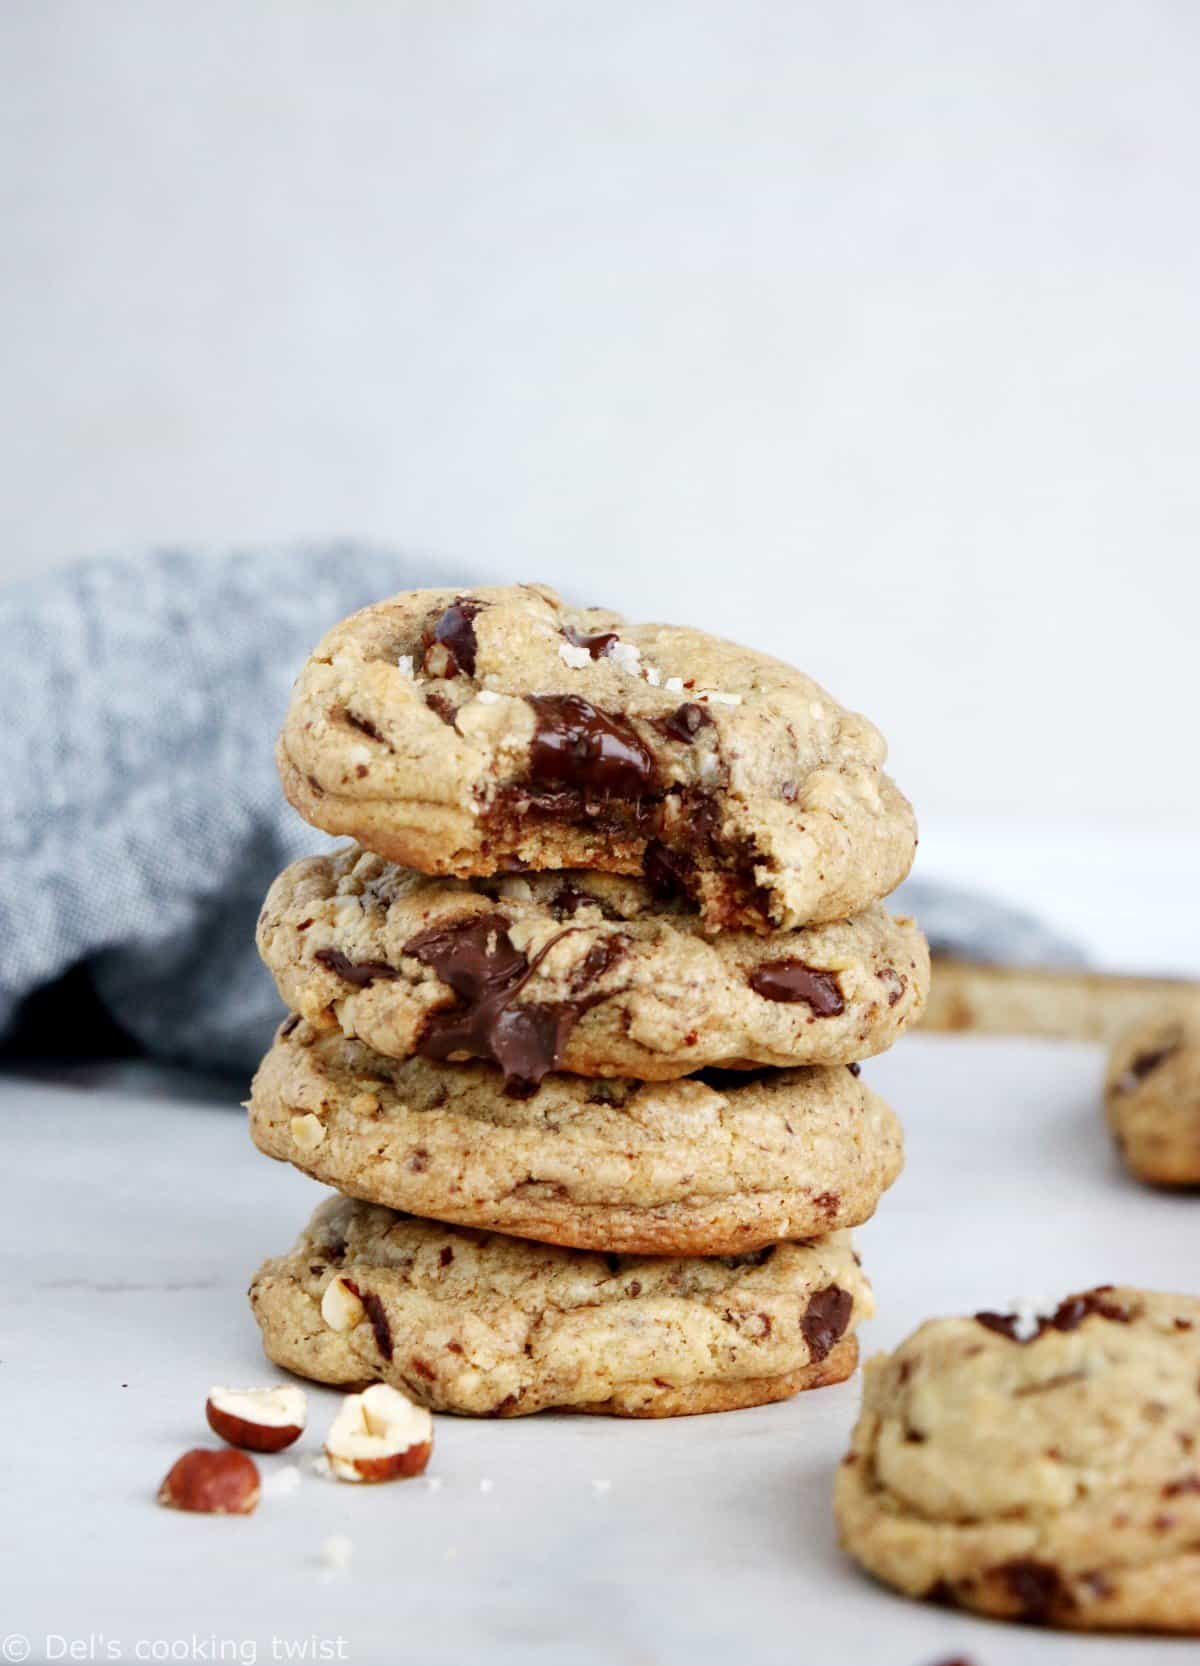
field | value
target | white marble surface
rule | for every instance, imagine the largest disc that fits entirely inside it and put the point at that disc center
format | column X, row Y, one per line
column 135, row 1217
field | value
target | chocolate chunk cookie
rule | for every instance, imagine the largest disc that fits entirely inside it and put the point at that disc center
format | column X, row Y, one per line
column 488, row 1326
column 472, row 733
column 1039, row 1469
column 704, row 1165
column 582, row 972
column 1152, row 1095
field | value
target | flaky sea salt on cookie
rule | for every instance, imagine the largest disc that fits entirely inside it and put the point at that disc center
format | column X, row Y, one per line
column 469, row 733
column 487, row 1326
column 1037, row 1468
column 575, row 971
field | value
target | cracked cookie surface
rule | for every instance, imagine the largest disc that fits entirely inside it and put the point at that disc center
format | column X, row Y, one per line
column 576, row 971
column 703, row 1165
column 469, row 733
column 489, row 1326
column 1045, row 1470
column 1152, row 1096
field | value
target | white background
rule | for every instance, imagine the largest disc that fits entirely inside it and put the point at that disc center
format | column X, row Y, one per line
column 863, row 331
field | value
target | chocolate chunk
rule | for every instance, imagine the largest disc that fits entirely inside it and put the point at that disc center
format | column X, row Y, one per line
column 942, row 1592
column 364, row 726
column 442, row 705
column 1070, row 1314
column 1006, row 1324
column 668, row 873
column 686, row 723
column 423, row 1369
column 1037, row 1587
column 828, row 1203
column 1144, row 1065
column 597, row 645
column 825, row 1320
column 602, row 955
column 569, row 899
column 579, row 746
column 455, row 630
column 289, row 1024
column 854, row 1069
column 1186, row 1483
column 360, row 973
column 895, row 982
column 445, row 1256
column 379, row 1322
column 791, row 980
column 476, row 957
column 1067, row 1316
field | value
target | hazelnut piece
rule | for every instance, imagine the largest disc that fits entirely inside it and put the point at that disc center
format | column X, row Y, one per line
column 260, row 1419
column 212, row 1483
column 379, row 1435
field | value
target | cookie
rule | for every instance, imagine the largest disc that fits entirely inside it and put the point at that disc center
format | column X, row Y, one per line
column 1045, row 1470
column 704, row 1165
column 488, row 1326
column 1152, row 1095
column 581, row 972
column 1050, row 1001
column 471, row 734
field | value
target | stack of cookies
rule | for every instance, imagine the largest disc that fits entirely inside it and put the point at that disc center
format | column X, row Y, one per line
column 576, row 1020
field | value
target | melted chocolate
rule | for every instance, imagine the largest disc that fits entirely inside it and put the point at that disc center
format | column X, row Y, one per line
column 455, row 630
column 791, row 980
column 575, row 745
column 360, row 973
column 686, row 723
column 1067, row 1316
column 597, row 645
column 666, row 872
column 477, row 959
column 600, row 958
column 825, row 1320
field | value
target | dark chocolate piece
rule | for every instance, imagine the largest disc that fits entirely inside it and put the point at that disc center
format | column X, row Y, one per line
column 791, row 980
column 576, row 745
column 1037, row 1587
column 455, row 630
column 597, row 645
column 825, row 1320
column 476, row 957
column 1067, row 1316
column 360, row 973
column 666, row 872
column 364, row 726
column 1144, row 1065
column 379, row 1322
column 686, row 723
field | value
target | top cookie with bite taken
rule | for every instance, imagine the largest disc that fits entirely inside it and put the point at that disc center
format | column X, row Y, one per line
column 476, row 732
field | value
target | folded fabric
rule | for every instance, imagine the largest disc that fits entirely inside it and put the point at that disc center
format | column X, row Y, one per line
column 143, row 820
